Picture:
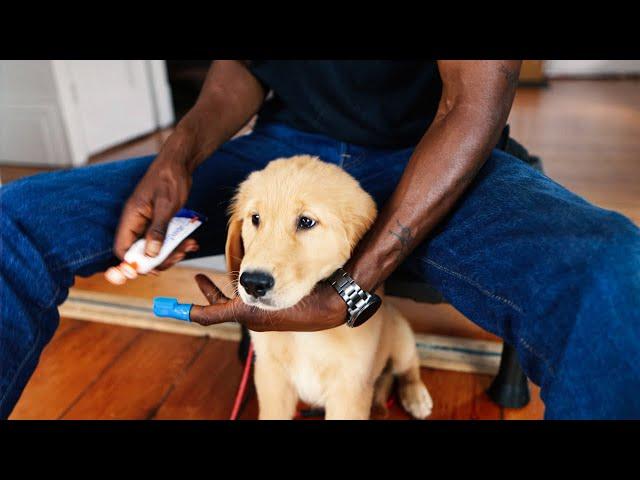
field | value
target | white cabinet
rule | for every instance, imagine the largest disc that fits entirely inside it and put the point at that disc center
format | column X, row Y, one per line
column 59, row 112
column 590, row 68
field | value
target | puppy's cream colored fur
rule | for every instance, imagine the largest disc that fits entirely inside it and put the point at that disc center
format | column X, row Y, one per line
column 345, row 370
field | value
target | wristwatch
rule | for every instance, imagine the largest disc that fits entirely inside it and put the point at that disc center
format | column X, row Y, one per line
column 361, row 305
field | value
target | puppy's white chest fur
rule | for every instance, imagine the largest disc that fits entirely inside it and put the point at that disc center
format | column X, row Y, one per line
column 303, row 361
column 306, row 378
column 316, row 362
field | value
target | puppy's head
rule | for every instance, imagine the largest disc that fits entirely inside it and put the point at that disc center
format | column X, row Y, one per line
column 293, row 224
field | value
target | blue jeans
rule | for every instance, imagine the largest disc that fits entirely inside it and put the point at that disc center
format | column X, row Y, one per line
column 556, row 277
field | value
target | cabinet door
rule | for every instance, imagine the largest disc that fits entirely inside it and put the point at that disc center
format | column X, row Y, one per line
column 113, row 100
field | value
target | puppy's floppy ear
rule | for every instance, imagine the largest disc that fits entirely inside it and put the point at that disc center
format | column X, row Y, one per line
column 234, row 249
column 358, row 217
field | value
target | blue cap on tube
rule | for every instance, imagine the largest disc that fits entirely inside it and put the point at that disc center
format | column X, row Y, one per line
column 169, row 307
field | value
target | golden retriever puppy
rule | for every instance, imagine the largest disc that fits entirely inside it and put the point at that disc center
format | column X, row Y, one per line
column 345, row 370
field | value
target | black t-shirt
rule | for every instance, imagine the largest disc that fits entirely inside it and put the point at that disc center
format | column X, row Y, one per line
column 374, row 103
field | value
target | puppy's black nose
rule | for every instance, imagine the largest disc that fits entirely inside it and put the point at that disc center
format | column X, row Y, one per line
column 256, row 283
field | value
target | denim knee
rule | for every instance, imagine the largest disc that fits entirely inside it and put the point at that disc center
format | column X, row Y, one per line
column 609, row 296
column 23, row 200
column 619, row 254
column 12, row 195
column 24, row 270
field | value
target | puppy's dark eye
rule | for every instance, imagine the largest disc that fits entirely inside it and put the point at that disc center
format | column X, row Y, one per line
column 255, row 219
column 305, row 223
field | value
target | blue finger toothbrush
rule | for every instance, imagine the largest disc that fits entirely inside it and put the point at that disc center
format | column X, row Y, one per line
column 170, row 308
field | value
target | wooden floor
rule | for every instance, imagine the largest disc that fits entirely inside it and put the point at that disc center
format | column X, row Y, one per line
column 588, row 134
column 99, row 371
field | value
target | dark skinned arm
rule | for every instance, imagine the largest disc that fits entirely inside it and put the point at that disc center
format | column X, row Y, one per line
column 476, row 100
column 230, row 96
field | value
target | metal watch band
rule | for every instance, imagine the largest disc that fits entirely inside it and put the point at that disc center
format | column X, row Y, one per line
column 354, row 296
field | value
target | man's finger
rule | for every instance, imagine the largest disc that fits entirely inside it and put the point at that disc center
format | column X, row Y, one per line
column 163, row 211
column 213, row 314
column 114, row 275
column 209, row 289
column 170, row 261
column 131, row 227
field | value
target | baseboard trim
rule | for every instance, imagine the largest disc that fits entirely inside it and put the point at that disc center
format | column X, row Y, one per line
column 135, row 312
column 435, row 351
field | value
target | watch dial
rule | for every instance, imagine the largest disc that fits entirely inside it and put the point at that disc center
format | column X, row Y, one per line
column 367, row 312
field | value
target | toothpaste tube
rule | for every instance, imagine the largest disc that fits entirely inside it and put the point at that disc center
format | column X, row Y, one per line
column 135, row 261
column 179, row 228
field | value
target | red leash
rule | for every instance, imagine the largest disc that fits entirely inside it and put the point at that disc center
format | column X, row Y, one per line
column 243, row 384
column 242, row 390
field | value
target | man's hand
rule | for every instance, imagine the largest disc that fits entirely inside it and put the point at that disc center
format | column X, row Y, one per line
column 229, row 98
column 320, row 310
column 159, row 195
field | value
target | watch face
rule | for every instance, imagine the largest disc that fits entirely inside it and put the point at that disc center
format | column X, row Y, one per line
column 366, row 312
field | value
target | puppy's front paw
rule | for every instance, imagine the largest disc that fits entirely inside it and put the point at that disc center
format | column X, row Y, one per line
column 416, row 400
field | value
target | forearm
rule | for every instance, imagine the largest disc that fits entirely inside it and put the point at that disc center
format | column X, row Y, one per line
column 442, row 166
column 229, row 98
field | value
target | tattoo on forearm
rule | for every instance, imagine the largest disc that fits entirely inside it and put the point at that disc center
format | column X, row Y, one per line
column 405, row 237
column 509, row 75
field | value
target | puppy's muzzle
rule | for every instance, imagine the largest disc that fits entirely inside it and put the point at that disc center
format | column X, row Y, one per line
column 257, row 283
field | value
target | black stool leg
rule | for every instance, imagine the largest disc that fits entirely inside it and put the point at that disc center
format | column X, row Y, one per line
column 510, row 388
column 245, row 341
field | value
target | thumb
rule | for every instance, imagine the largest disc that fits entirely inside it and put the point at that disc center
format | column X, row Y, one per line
column 209, row 289
column 163, row 211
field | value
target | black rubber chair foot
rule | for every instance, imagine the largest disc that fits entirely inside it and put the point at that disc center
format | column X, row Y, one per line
column 509, row 396
column 510, row 388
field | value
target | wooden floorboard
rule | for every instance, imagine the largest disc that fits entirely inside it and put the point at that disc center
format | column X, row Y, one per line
column 73, row 360
column 459, row 396
column 533, row 411
column 136, row 383
column 456, row 396
column 207, row 390
column 67, row 325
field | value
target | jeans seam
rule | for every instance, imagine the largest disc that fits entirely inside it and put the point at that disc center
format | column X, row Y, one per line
column 475, row 284
column 529, row 348
column 81, row 260
column 53, row 300
column 508, row 302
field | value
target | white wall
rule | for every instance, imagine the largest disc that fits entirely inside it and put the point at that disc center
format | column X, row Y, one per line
column 59, row 112
column 555, row 68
